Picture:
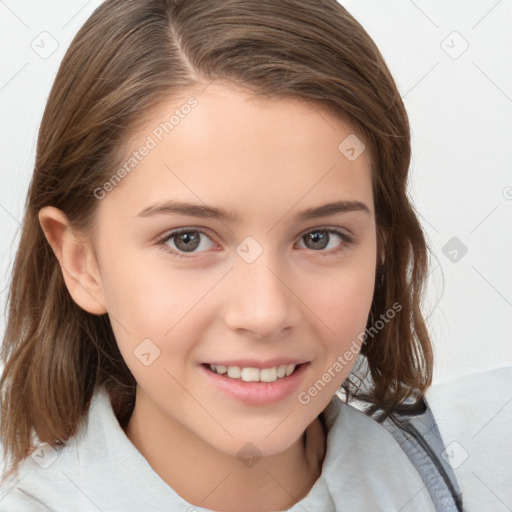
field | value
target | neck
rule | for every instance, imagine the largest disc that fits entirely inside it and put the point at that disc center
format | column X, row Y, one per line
column 208, row 478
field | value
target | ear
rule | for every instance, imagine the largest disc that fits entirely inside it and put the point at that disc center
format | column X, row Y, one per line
column 76, row 258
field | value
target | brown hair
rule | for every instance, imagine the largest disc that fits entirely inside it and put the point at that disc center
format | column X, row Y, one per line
column 126, row 60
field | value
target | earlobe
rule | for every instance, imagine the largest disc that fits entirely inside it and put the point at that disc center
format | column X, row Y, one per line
column 76, row 259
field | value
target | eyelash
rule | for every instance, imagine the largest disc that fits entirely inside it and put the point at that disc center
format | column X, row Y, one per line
column 162, row 241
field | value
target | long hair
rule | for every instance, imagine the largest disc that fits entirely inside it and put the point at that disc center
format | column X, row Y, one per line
column 126, row 60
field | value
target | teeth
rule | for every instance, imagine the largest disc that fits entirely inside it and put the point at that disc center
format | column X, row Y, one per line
column 289, row 369
column 234, row 372
column 254, row 374
column 269, row 374
column 250, row 374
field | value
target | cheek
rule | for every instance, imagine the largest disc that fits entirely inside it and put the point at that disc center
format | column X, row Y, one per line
column 155, row 311
column 147, row 298
column 341, row 301
column 352, row 306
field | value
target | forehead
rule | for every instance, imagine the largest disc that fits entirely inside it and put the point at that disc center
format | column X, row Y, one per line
column 224, row 145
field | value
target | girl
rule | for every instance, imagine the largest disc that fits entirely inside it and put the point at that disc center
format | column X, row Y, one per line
column 218, row 257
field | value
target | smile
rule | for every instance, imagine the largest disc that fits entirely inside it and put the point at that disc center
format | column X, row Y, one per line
column 248, row 374
column 255, row 386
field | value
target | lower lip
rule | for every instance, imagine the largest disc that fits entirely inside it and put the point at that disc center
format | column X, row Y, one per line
column 257, row 393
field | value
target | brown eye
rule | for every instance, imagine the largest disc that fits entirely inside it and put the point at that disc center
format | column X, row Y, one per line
column 320, row 239
column 317, row 239
column 185, row 241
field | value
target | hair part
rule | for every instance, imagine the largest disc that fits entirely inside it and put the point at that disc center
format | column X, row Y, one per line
column 125, row 61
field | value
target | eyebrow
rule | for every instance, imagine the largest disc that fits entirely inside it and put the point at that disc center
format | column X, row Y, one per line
column 204, row 211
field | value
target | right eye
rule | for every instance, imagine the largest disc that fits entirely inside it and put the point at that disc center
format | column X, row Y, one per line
column 183, row 241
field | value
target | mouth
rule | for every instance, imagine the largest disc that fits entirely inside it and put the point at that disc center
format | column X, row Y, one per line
column 253, row 374
column 255, row 386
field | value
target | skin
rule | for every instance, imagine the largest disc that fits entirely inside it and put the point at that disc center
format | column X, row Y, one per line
column 267, row 160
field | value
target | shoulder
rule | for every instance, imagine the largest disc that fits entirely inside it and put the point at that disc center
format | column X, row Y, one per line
column 474, row 413
column 48, row 468
column 364, row 460
column 97, row 469
column 32, row 487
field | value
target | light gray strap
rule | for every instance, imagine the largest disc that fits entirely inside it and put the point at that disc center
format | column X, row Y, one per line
column 419, row 437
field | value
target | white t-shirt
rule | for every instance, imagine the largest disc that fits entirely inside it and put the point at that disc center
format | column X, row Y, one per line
column 100, row 469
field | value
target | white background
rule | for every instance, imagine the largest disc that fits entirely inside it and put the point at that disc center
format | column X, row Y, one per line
column 460, row 108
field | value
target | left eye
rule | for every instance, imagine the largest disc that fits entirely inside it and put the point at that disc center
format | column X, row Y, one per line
column 319, row 239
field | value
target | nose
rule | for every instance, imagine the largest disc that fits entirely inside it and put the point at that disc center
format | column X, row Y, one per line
column 261, row 303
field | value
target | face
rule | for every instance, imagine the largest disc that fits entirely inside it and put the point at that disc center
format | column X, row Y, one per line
column 213, row 250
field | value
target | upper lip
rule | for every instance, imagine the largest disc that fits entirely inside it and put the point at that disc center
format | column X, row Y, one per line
column 253, row 363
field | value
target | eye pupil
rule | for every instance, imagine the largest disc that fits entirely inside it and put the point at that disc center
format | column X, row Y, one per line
column 319, row 239
column 191, row 242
